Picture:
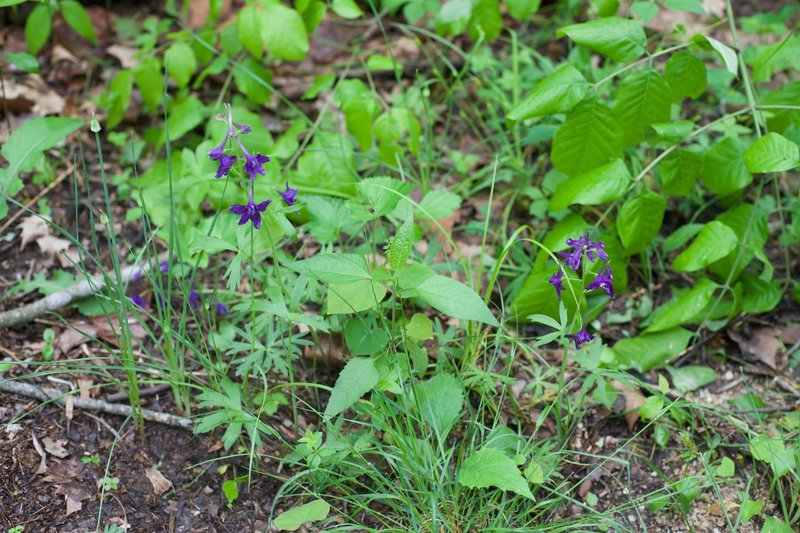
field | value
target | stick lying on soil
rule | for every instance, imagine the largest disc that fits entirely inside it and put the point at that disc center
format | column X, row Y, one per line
column 59, row 397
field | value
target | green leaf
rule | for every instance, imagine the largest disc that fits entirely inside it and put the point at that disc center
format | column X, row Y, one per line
column 443, row 294
column 78, row 19
column 455, row 11
column 180, row 62
column 309, row 512
column 715, row 241
column 772, row 153
column 440, row 401
column 399, row 247
column 599, row 185
column 643, row 99
column 724, row 168
column 313, row 15
column 670, row 132
column 764, row 448
column 347, row 9
column 362, row 339
column 726, row 467
column 37, row 28
column 438, row 204
column 618, row 39
column 486, row 21
column 381, row 194
column 346, row 298
column 559, row 92
column 691, row 377
column 759, row 296
column 253, row 80
column 334, row 268
column 284, row 32
column 692, row 6
column 23, row 61
column 185, row 114
column 646, row 11
column 684, row 308
column 775, row 525
column 522, row 9
column 323, row 82
column 420, row 327
column 590, row 137
column 490, row 467
column 726, row 53
column 150, row 82
column 750, row 508
column 248, row 29
column 679, row 171
column 360, row 107
column 686, row 75
column 639, row 220
column 358, row 377
column 649, row 351
column 120, row 91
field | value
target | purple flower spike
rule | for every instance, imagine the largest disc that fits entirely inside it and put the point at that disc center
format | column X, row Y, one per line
column 557, row 281
column 599, row 247
column 573, row 260
column 243, row 128
column 289, row 196
column 194, row 298
column 251, row 211
column 138, row 301
column 254, row 164
column 164, row 267
column 580, row 338
column 225, row 161
column 136, row 274
column 603, row 281
column 222, row 309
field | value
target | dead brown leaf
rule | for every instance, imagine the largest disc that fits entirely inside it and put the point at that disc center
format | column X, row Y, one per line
column 73, row 506
column 85, row 388
column 98, row 327
column 633, row 399
column 31, row 94
column 31, row 228
column 62, row 472
column 763, row 345
column 58, row 248
column 38, row 447
column 124, row 54
column 159, row 482
column 55, row 447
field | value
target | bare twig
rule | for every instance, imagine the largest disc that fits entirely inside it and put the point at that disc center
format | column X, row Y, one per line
column 119, row 396
column 59, row 397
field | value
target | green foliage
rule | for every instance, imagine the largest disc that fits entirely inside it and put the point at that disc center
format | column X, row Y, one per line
column 616, row 38
column 359, row 376
column 591, row 136
column 559, row 92
column 492, row 468
column 308, row 512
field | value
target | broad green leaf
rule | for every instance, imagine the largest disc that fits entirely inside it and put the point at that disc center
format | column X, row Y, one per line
column 150, row 82
column 37, row 28
column 679, row 171
column 725, row 52
column 362, row 339
column 323, row 82
column 347, row 9
column 522, row 9
column 643, row 99
column 490, row 467
column 9, row 3
column 438, row 204
column 78, row 19
column 180, row 62
column 772, row 153
column 559, row 92
column 618, row 39
column 671, row 132
column 309, row 512
column 685, row 308
column 360, row 107
column 639, row 220
column 646, row 10
column 358, row 377
column 334, row 268
column 353, row 297
column 599, row 185
column 750, row 225
column 691, row 377
column 750, row 508
column 440, row 400
column 764, row 448
column 715, row 241
column 686, row 75
column 692, row 6
column 652, row 350
column 759, row 296
column 249, row 30
column 379, row 196
column 23, row 61
column 726, row 467
column 775, row 525
column 454, row 11
column 443, row 294
column 591, row 136
column 399, row 248
column 391, row 128
column 284, row 32
column 780, row 120
column 486, row 21
column 119, row 90
column 185, row 114
column 253, row 80
column 724, row 168
column 420, row 327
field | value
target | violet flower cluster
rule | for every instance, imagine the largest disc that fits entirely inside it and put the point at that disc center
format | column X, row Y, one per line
column 253, row 167
column 593, row 251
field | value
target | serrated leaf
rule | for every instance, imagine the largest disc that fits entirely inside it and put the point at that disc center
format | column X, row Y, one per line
column 334, row 268
column 358, row 377
column 522, row 9
column 643, row 99
column 724, row 168
column 248, row 30
column 284, row 32
column 438, row 204
column 591, row 136
column 691, row 377
column 639, row 220
column 649, row 351
column 362, row 339
column 78, row 19
column 440, row 401
column 180, row 62
column 37, row 28
column 559, row 92
column 772, row 153
column 715, row 241
column 686, row 75
column 309, row 512
column 679, row 171
column 618, row 39
column 684, row 308
column 490, row 467
column 399, row 249
column 602, row 184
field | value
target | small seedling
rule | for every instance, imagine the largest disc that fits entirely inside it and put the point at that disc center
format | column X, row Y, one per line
column 48, row 350
column 93, row 459
column 110, row 483
column 231, row 491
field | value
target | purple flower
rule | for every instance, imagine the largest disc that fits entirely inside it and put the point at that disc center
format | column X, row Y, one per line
column 164, row 267
column 194, row 298
column 603, row 281
column 254, row 164
column 222, row 309
column 243, row 128
column 251, row 211
column 593, row 250
column 136, row 274
column 580, row 338
column 599, row 247
column 573, row 259
column 138, row 301
column 225, row 160
column 289, row 196
column 557, row 281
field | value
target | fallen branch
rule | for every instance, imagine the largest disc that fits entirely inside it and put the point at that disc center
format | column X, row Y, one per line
column 59, row 397
column 57, row 300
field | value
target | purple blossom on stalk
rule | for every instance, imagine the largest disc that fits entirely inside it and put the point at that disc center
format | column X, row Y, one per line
column 580, row 338
column 254, row 164
column 599, row 247
column 573, row 259
column 557, row 281
column 163, row 267
column 138, row 301
column 222, row 309
column 603, row 281
column 225, row 161
column 136, row 274
column 289, row 195
column 194, row 298
column 243, row 128
column 250, row 211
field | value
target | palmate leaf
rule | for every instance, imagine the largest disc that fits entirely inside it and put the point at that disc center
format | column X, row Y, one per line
column 559, row 92
column 616, row 38
column 643, row 99
column 590, row 137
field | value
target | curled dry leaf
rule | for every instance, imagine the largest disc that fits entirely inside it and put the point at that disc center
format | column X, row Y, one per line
column 763, row 345
column 159, row 482
column 38, row 447
column 73, row 505
column 59, row 249
column 31, row 94
column 55, row 447
column 31, row 228
column 632, row 399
